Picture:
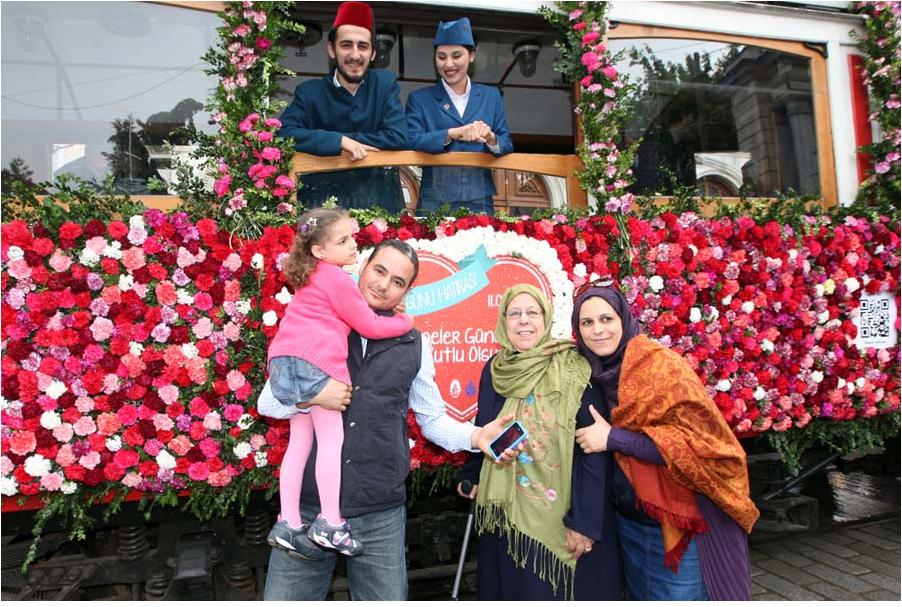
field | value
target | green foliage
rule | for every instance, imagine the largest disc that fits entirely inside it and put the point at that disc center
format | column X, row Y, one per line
column 69, row 198
column 843, row 437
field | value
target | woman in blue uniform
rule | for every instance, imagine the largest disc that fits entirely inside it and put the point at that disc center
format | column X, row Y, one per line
column 457, row 115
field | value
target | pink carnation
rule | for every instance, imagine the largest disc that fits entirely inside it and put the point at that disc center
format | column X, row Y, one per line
column 233, row 412
column 198, row 471
column 180, row 445
column 272, row 154
column 65, row 457
column 84, row 426
column 52, row 481
column 161, row 421
column 209, row 447
column 212, row 421
column 220, row 478
column 63, row 433
column 89, row 460
column 235, row 379
column 127, row 415
column 168, row 394
column 22, row 442
column 203, row 301
column 133, row 258
column 202, row 328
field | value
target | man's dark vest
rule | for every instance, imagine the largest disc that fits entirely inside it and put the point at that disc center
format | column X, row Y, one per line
column 375, row 458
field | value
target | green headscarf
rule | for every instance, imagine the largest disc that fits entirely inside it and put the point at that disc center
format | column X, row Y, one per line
column 527, row 501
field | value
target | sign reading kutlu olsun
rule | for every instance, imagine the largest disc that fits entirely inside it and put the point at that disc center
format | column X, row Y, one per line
column 455, row 302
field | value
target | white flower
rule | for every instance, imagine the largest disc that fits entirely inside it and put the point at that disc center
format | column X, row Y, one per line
column 852, row 284
column 8, row 486
column 135, row 348
column 817, row 376
column 759, row 393
column 113, row 250
column 88, row 258
column 823, row 317
column 793, row 254
column 245, row 421
column 242, row 450
column 726, row 300
column 840, row 382
column 260, row 459
column 257, row 261
column 68, row 488
column 695, row 315
column 37, row 465
column 819, row 290
column 126, row 282
column 189, row 350
column 182, row 296
column 165, row 460
column 656, row 283
column 243, row 306
column 114, row 443
column 723, row 385
column 767, row 345
column 859, row 382
column 411, row 442
column 270, row 318
column 15, row 252
column 56, row 389
column 748, row 307
column 579, row 270
column 284, row 296
column 50, row 419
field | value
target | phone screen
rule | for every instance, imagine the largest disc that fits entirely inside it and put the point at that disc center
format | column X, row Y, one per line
column 507, row 438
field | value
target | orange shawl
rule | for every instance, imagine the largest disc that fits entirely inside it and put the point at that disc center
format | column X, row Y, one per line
column 661, row 396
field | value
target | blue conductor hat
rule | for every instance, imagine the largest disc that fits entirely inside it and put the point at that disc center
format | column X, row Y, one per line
column 454, row 32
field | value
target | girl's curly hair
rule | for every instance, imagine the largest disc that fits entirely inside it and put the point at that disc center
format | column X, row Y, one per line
column 313, row 228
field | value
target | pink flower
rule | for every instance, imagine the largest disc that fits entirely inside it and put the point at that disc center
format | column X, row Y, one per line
column 264, row 136
column 235, row 379
column 203, row 301
column 153, row 447
column 589, row 58
column 209, row 447
column 285, row 181
column 102, row 328
column 60, row 262
column 590, row 37
column 22, row 442
column 264, row 44
column 610, row 72
column 220, row 478
column 89, row 460
column 221, row 186
column 198, row 471
column 586, row 81
column 52, row 481
column 202, row 328
column 180, row 445
column 273, row 122
column 270, row 153
column 233, row 412
column 161, row 421
column 168, row 394
column 127, row 415
column 882, row 167
column 84, row 426
column 198, row 407
column 212, row 421
column 126, row 458
column 132, row 479
column 63, row 433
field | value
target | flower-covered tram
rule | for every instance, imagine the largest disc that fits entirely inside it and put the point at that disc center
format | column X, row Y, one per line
column 133, row 346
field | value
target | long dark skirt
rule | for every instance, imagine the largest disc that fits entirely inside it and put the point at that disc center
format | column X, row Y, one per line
column 597, row 578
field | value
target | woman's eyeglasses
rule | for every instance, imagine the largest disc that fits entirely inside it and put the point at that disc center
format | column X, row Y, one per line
column 604, row 281
column 531, row 314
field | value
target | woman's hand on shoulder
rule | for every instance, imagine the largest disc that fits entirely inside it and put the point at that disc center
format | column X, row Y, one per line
column 594, row 438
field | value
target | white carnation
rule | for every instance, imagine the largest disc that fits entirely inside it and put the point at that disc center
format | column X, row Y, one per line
column 257, row 261
column 580, row 270
column 189, row 350
column 56, row 389
column 165, row 460
column 50, row 419
column 68, row 488
column 126, row 282
column 724, row 385
column 15, row 252
column 695, row 315
column 817, row 376
column 852, row 284
column 242, row 450
column 767, row 345
column 284, row 296
column 8, row 486
column 135, row 348
column 114, row 443
column 37, row 465
column 270, row 318
column 183, row 296
column 748, row 307
column 759, row 393
column 656, row 283
column 260, row 459
column 88, row 258
column 245, row 421
column 113, row 250
column 243, row 306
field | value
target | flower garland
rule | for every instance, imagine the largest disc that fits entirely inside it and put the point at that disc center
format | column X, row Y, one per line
column 880, row 45
column 603, row 108
column 253, row 185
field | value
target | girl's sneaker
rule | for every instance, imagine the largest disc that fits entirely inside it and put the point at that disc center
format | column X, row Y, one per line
column 334, row 538
column 294, row 541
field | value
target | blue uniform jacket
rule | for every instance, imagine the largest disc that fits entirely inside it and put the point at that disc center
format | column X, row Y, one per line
column 430, row 113
column 321, row 113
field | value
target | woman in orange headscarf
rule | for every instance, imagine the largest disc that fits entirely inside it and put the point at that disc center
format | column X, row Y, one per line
column 681, row 488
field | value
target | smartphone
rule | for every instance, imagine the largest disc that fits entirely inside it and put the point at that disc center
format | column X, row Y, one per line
column 510, row 437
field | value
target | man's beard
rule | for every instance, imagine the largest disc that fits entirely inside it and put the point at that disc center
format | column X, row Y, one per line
column 348, row 77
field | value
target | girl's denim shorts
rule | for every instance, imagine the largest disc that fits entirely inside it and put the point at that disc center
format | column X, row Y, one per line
column 294, row 380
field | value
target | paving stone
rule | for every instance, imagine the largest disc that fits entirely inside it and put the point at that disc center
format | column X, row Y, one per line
column 878, row 553
column 883, row 581
column 768, row 596
column 785, row 553
column 874, row 540
column 830, row 574
column 796, row 576
column 785, row 589
column 890, row 567
column 876, row 595
column 816, row 543
column 756, row 589
column 847, row 565
column 832, row 592
column 838, row 538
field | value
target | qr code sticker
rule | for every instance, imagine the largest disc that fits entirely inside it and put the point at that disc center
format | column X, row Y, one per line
column 875, row 318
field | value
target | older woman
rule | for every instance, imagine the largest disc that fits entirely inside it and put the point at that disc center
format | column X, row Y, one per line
column 681, row 488
column 544, row 535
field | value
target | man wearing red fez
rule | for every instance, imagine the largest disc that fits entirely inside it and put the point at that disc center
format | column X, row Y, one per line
column 354, row 111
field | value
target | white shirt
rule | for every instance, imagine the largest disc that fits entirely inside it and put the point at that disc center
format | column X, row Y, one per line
column 460, row 104
column 425, row 400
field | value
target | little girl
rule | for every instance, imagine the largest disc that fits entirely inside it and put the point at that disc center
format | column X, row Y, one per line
column 311, row 347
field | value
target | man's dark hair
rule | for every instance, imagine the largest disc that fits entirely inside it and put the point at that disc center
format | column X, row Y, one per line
column 404, row 248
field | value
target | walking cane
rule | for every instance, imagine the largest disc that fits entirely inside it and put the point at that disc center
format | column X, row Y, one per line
column 465, row 487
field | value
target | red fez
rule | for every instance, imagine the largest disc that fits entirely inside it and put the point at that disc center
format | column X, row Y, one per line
column 354, row 13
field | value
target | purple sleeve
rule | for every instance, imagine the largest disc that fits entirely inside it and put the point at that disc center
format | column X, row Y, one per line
column 634, row 444
column 723, row 551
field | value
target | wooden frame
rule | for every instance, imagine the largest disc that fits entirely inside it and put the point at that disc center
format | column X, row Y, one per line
column 819, row 90
column 558, row 165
